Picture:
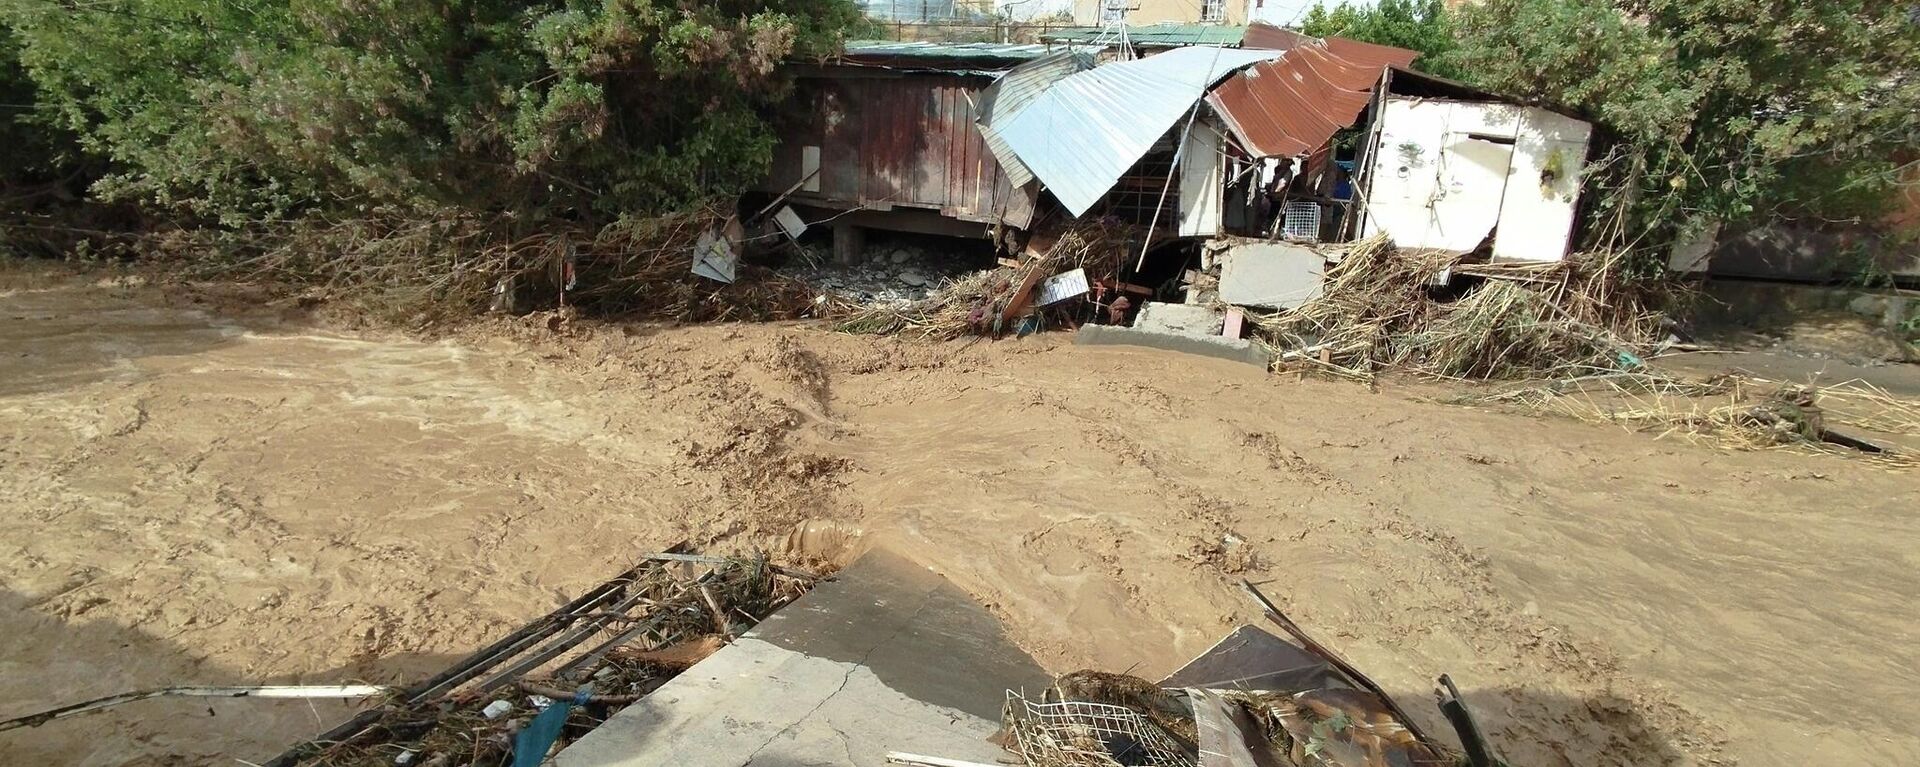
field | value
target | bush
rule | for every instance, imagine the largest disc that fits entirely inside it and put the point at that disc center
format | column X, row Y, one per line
column 578, row 110
column 1725, row 112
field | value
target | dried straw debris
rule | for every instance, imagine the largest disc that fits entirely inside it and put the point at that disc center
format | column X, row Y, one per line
column 1731, row 411
column 1379, row 310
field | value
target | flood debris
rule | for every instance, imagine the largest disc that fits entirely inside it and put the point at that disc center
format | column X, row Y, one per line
column 1731, row 411
column 717, row 253
column 1252, row 700
column 1379, row 309
column 1011, row 299
column 560, row 676
column 309, row 692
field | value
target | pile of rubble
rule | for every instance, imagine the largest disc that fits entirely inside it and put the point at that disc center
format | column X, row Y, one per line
column 894, row 277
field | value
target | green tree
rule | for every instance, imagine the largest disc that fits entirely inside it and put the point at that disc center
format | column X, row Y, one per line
column 278, row 109
column 1419, row 25
column 1729, row 112
column 37, row 153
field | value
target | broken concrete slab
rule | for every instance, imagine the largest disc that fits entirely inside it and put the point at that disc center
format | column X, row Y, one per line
column 886, row 657
column 1235, row 349
column 1271, row 275
column 1180, row 318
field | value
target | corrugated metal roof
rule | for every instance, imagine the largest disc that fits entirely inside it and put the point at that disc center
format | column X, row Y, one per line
column 1291, row 106
column 1370, row 54
column 1013, row 91
column 1159, row 35
column 1270, row 37
column 1080, row 135
column 925, row 54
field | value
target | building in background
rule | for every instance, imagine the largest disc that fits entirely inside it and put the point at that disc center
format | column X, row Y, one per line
column 1280, row 13
column 1150, row 12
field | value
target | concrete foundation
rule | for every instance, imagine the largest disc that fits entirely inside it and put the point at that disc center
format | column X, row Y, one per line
column 1236, row 349
column 1180, row 318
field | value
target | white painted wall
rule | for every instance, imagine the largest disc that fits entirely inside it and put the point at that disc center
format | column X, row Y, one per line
column 1536, row 218
column 1446, row 173
column 1203, row 181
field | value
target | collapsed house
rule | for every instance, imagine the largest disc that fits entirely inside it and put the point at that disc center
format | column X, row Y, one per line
column 1214, row 153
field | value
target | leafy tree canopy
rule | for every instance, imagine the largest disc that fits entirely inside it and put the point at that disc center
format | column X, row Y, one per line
column 1723, row 111
column 270, row 109
column 1418, row 25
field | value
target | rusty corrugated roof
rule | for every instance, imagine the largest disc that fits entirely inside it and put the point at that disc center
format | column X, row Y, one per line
column 1270, row 37
column 1290, row 106
column 1371, row 54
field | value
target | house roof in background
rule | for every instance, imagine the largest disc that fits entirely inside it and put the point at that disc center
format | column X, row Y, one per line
column 1157, row 35
column 927, row 55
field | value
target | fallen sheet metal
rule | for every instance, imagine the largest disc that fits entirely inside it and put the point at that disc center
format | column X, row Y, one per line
column 714, row 257
column 790, row 222
column 1223, row 730
column 1013, row 92
column 1252, row 659
column 888, row 655
column 1079, row 136
column 1061, row 287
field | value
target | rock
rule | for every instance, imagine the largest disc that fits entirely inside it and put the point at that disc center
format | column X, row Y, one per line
column 913, row 278
column 902, row 256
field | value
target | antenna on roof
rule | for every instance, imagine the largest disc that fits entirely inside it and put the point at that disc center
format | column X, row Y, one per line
column 1113, row 26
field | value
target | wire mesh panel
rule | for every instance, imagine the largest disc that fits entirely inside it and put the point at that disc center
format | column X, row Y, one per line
column 1302, row 221
column 1082, row 734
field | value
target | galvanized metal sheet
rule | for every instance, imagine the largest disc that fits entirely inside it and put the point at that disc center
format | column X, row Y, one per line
column 1154, row 36
column 970, row 58
column 920, row 49
column 1080, row 135
column 1014, row 91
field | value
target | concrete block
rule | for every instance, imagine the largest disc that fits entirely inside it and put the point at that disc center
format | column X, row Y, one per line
column 1235, row 349
column 888, row 656
column 1272, row 275
column 1180, row 318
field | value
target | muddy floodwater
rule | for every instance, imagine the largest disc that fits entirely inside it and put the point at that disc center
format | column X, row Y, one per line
column 194, row 491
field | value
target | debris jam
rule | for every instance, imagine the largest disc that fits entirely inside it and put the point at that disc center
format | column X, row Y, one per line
column 546, row 684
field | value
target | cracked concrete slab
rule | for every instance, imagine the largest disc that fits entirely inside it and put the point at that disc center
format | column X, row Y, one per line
column 886, row 657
